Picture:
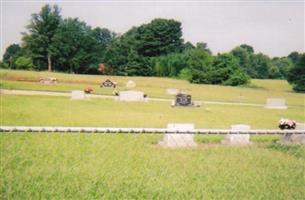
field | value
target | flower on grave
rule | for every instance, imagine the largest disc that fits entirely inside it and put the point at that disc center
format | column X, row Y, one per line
column 287, row 124
column 88, row 90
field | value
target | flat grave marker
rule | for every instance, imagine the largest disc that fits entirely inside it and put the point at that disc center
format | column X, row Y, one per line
column 131, row 96
column 172, row 91
column 276, row 103
column 77, row 95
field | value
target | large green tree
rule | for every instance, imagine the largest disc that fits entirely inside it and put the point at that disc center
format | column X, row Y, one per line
column 296, row 75
column 11, row 54
column 159, row 37
column 75, row 46
column 39, row 39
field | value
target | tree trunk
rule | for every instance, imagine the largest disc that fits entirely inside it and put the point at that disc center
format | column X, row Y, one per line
column 49, row 62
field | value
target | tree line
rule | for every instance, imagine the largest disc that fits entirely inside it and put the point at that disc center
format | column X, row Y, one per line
column 157, row 48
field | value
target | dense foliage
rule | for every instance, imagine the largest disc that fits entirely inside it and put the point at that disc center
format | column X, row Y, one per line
column 296, row 75
column 153, row 49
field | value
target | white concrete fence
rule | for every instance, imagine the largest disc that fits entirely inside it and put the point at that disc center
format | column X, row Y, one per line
column 142, row 130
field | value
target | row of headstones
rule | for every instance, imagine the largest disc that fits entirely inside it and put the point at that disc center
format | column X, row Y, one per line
column 187, row 140
column 272, row 103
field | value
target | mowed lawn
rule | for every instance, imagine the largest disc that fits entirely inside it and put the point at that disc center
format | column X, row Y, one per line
column 61, row 111
column 99, row 166
column 133, row 166
column 258, row 92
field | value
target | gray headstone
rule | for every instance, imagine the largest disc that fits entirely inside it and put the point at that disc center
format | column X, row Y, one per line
column 131, row 96
column 77, row 95
column 276, row 103
column 239, row 139
column 290, row 138
column 179, row 139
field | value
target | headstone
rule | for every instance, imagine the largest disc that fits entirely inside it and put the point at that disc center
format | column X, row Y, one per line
column 174, row 140
column 131, row 96
column 130, row 84
column 108, row 84
column 77, row 95
column 48, row 80
column 182, row 99
column 276, row 103
column 239, row 139
column 290, row 138
column 172, row 91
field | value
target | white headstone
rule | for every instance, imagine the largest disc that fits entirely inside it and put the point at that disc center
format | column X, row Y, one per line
column 172, row 91
column 240, row 139
column 130, row 84
column 179, row 139
column 77, row 95
column 131, row 96
column 276, row 103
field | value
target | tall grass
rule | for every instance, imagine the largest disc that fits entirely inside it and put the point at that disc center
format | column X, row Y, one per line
column 97, row 166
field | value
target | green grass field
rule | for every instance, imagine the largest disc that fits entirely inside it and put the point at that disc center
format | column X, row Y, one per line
column 97, row 166
column 61, row 111
column 133, row 166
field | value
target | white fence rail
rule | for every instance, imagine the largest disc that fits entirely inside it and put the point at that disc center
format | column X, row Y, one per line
column 141, row 130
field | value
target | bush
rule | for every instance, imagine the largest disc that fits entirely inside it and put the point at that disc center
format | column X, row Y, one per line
column 24, row 62
column 238, row 78
column 185, row 74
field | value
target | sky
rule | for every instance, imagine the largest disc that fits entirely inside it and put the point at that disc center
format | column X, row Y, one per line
column 275, row 28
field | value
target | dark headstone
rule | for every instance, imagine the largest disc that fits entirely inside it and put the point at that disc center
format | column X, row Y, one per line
column 183, row 100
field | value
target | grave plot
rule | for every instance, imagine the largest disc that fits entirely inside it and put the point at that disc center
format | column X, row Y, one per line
column 48, row 80
column 294, row 138
column 184, row 100
column 77, row 95
column 276, row 103
column 108, row 84
column 172, row 91
column 174, row 140
column 131, row 96
column 238, row 139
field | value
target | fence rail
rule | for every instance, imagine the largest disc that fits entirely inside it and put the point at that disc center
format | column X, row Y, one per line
column 142, row 130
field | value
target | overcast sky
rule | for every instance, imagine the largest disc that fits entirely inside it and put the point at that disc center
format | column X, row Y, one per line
column 274, row 28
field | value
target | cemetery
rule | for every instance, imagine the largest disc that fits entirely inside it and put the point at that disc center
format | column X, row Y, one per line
column 179, row 100
column 125, row 139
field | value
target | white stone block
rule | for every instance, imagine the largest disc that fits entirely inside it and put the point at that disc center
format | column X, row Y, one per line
column 77, row 95
column 276, row 103
column 172, row 91
column 239, row 139
column 175, row 140
column 131, row 96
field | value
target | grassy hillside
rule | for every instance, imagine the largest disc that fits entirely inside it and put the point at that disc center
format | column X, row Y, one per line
column 156, row 87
